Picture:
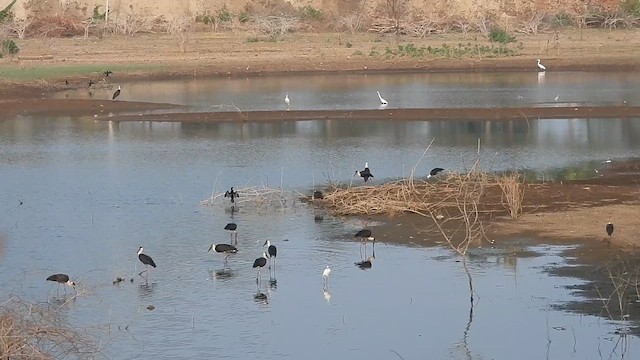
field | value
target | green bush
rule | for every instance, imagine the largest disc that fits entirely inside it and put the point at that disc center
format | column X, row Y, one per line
column 631, row 7
column 224, row 15
column 501, row 36
column 8, row 46
column 311, row 13
column 6, row 13
column 244, row 17
column 97, row 15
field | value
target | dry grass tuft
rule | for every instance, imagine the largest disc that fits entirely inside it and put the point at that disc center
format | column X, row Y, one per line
column 512, row 186
column 31, row 331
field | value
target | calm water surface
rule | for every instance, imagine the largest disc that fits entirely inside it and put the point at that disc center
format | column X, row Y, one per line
column 93, row 192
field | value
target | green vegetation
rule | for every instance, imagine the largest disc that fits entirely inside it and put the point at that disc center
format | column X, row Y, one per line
column 244, row 17
column 224, row 15
column 631, row 7
column 253, row 39
column 6, row 13
column 8, row 47
column 45, row 72
column 501, row 36
column 562, row 19
column 96, row 13
column 450, row 52
column 309, row 12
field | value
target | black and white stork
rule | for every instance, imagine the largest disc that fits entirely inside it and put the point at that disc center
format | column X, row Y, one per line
column 225, row 249
column 365, row 174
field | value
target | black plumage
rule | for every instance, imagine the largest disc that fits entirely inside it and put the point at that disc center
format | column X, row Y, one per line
column 260, row 262
column 366, row 173
column 364, row 233
column 365, row 264
column 231, row 194
column 231, row 226
column 60, row 278
column 609, row 229
column 435, row 171
column 146, row 259
column 116, row 94
column 107, row 73
column 318, row 194
column 224, row 249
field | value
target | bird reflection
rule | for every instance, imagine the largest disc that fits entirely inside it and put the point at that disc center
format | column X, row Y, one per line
column 365, row 264
column 261, row 298
column 222, row 274
column 327, row 294
column 146, row 289
column 273, row 283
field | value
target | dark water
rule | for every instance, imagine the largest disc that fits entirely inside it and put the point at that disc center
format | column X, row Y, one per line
column 92, row 193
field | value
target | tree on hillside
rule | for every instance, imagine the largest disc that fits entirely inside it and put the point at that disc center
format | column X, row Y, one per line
column 396, row 10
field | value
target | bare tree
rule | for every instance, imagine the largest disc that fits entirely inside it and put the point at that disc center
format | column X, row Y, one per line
column 396, row 10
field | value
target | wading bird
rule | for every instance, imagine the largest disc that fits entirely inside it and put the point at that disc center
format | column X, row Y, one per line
column 325, row 276
column 286, row 100
column 366, row 264
column 107, row 73
column 225, row 249
column 260, row 263
column 62, row 279
column 147, row 261
column 434, row 172
column 117, row 93
column 273, row 252
column 232, row 227
column 365, row 174
column 383, row 102
column 231, row 194
column 540, row 66
column 609, row 229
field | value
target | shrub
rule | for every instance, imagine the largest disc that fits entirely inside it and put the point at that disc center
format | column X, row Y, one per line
column 631, row 7
column 501, row 36
column 97, row 15
column 243, row 17
column 6, row 13
column 224, row 15
column 309, row 12
column 9, row 47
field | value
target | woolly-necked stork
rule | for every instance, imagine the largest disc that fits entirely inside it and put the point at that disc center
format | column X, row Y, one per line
column 272, row 251
column 260, row 263
column 232, row 229
column 225, row 249
column 434, row 172
column 609, row 229
column 147, row 261
column 117, row 93
column 366, row 173
column 62, row 279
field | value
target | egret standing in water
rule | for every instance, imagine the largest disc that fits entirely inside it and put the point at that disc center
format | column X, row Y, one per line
column 260, row 263
column 325, row 276
column 225, row 249
column 540, row 66
column 62, row 279
column 366, row 173
column 286, row 100
column 383, row 102
column 147, row 261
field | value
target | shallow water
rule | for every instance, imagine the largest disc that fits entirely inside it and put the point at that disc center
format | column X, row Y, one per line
column 79, row 197
column 412, row 90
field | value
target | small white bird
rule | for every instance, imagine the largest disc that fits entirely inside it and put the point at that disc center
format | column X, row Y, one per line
column 286, row 99
column 383, row 102
column 557, row 97
column 325, row 276
column 540, row 66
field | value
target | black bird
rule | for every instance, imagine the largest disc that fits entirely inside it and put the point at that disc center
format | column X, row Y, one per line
column 434, row 172
column 260, row 263
column 107, row 73
column 62, row 279
column 318, row 194
column 231, row 194
column 224, row 249
column 609, row 229
column 90, row 83
column 116, row 94
column 366, row 173
column 363, row 234
column 146, row 260
column 232, row 227
column 366, row 264
column 273, row 252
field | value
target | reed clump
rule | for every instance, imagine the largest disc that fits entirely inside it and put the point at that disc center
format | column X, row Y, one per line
column 491, row 192
column 35, row 332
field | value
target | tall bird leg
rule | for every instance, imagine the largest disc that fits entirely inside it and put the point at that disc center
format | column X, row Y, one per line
column 225, row 259
column 235, row 235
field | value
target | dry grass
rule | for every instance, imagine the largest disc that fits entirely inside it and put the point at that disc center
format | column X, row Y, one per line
column 31, row 331
column 512, row 186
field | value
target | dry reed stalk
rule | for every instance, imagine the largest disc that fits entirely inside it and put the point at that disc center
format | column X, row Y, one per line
column 30, row 331
column 512, row 193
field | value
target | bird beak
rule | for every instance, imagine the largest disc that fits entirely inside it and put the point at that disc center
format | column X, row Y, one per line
column 355, row 173
column 265, row 243
column 210, row 248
